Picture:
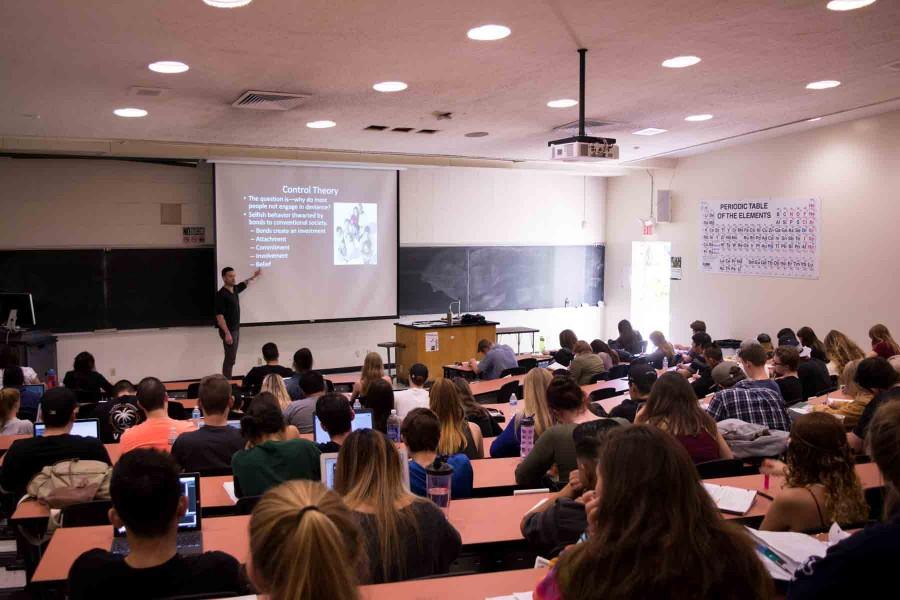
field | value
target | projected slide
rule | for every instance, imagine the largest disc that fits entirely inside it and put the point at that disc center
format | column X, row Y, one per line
column 325, row 239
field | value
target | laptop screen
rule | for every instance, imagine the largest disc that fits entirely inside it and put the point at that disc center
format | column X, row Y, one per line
column 362, row 420
column 82, row 427
column 190, row 487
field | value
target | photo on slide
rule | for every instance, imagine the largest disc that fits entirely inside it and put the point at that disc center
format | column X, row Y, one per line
column 355, row 233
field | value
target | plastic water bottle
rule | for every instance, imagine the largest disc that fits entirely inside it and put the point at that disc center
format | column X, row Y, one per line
column 665, row 363
column 542, row 345
column 173, row 433
column 393, row 426
column 357, row 405
column 526, row 436
column 196, row 416
column 52, row 382
column 513, row 400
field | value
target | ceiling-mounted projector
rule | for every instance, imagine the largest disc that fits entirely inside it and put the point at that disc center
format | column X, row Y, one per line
column 581, row 147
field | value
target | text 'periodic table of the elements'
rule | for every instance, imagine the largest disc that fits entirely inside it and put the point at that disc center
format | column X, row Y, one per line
column 769, row 237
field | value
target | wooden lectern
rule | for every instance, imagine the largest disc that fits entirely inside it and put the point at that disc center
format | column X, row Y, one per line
column 436, row 344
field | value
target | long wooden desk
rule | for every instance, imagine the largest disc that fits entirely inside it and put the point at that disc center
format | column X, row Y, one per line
column 466, row 587
column 478, row 520
column 182, row 386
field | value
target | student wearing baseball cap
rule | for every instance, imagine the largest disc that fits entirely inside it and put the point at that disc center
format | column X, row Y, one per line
column 641, row 378
column 25, row 458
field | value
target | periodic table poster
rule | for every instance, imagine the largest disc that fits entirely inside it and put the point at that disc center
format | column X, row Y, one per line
column 768, row 237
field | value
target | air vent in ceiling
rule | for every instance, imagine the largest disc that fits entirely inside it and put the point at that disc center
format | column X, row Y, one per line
column 257, row 100
column 428, row 131
column 589, row 125
column 146, row 92
column 376, row 128
column 403, row 129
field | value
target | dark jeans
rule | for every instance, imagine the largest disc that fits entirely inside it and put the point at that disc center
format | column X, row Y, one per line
column 230, row 352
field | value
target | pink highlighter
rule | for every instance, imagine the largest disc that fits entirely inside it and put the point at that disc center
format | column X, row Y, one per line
column 766, row 481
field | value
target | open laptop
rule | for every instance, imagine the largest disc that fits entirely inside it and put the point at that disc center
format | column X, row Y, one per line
column 328, row 464
column 362, row 420
column 190, row 538
column 82, row 427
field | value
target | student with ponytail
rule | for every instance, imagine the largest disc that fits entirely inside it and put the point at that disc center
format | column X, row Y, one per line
column 304, row 543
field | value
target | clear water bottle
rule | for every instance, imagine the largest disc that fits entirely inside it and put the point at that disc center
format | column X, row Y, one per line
column 357, row 405
column 173, row 433
column 196, row 416
column 52, row 382
column 393, row 426
column 665, row 363
column 526, row 436
column 542, row 345
column 513, row 399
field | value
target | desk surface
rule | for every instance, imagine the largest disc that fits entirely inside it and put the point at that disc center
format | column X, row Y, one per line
column 466, row 587
column 182, row 386
column 478, row 520
column 465, row 368
column 510, row 330
column 480, row 388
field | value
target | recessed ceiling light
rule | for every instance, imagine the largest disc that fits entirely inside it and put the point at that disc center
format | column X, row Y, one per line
column 390, row 86
column 814, row 119
column 168, row 66
column 130, row 112
column 320, row 124
column 650, row 131
column 562, row 103
column 848, row 4
column 823, row 85
column 698, row 118
column 476, row 134
column 680, row 62
column 489, row 33
column 227, row 3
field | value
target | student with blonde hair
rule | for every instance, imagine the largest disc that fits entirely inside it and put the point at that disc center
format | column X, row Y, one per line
column 535, row 406
column 406, row 536
column 10, row 399
column 664, row 350
column 883, row 343
column 304, row 543
column 853, row 409
column 373, row 370
column 274, row 384
column 458, row 435
column 840, row 350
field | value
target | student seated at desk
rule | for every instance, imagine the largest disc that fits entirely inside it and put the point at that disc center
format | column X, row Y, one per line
column 299, row 413
column 853, row 409
column 457, row 434
column 254, row 378
column 406, row 536
column 586, row 364
column 696, row 327
column 534, row 405
column 561, row 520
column 863, row 565
column 304, row 543
column 497, row 358
column 274, row 384
column 147, row 500
column 158, row 430
column 566, row 352
column 26, row 457
column 609, row 356
column 711, row 356
column 373, row 370
column 653, row 532
column 883, row 343
column 555, row 446
column 380, row 400
column 673, row 408
column 84, row 376
column 821, row 485
column 809, row 339
column 336, row 417
column 270, row 457
column 10, row 400
column 421, row 432
column 629, row 339
column 785, row 362
column 211, row 447
column 9, row 358
column 416, row 396
column 876, row 376
column 120, row 413
column 641, row 377
column 840, row 350
column 475, row 412
column 664, row 350
column 303, row 362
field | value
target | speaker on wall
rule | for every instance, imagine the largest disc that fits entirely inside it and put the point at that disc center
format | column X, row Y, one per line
column 663, row 206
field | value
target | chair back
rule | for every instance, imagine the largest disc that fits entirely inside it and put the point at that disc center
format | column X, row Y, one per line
column 528, row 364
column 508, row 389
column 86, row 514
column 512, row 371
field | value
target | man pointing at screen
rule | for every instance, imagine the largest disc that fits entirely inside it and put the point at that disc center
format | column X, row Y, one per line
column 228, row 315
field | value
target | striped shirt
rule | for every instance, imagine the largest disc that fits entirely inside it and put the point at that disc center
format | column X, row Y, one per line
column 752, row 404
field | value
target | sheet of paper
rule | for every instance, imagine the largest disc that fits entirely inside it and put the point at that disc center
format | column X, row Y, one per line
column 731, row 499
column 513, row 596
column 836, row 534
column 229, row 489
column 796, row 546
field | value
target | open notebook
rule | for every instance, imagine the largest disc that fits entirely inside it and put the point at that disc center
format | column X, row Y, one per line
column 731, row 499
column 783, row 552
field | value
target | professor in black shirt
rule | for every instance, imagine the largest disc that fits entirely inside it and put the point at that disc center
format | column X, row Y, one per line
column 228, row 315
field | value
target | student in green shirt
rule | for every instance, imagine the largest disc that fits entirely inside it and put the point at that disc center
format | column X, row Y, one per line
column 270, row 458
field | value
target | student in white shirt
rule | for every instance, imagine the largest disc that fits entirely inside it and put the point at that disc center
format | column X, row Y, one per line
column 10, row 358
column 414, row 397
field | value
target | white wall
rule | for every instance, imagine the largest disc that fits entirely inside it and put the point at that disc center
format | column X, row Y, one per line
column 853, row 167
column 71, row 203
